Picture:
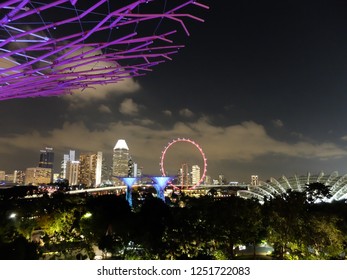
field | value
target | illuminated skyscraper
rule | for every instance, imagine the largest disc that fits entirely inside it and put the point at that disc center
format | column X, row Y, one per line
column 184, row 176
column 98, row 169
column 46, row 158
column 18, row 177
column 2, row 175
column 195, row 174
column 63, row 166
column 221, row 179
column 72, row 155
column 72, row 172
column 38, row 176
column 66, row 159
column 90, row 169
column 208, row 180
column 121, row 158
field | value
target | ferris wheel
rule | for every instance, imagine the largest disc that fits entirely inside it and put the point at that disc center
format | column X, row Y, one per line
column 184, row 167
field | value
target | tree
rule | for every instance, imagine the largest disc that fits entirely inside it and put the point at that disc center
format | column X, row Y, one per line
column 285, row 218
column 253, row 229
column 189, row 236
column 317, row 192
column 151, row 223
column 229, row 223
column 19, row 249
column 111, row 216
column 326, row 241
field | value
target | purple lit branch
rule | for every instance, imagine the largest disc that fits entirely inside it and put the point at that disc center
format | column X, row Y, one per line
column 68, row 45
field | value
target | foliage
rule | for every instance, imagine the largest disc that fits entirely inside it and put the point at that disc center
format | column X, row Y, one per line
column 190, row 228
column 316, row 192
column 300, row 229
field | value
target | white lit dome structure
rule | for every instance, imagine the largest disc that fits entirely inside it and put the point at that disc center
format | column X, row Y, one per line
column 121, row 145
column 274, row 187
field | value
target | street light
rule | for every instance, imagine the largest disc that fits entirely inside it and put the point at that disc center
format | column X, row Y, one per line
column 87, row 215
column 13, row 215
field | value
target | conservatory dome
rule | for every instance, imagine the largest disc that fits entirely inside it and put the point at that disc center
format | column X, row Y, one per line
column 275, row 187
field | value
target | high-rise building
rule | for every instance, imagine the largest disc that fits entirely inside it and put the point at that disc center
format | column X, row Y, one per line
column 195, row 174
column 38, row 176
column 72, row 155
column 9, row 178
column 90, row 168
column 139, row 170
column 121, row 157
column 63, row 167
column 72, row 172
column 254, row 180
column 221, row 179
column 135, row 170
column 66, row 159
column 106, row 171
column 46, row 158
column 98, row 169
column 184, row 176
column 19, row 177
column 2, row 175
column 208, row 180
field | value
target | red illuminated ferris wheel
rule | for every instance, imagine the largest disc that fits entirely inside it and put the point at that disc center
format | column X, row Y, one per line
column 59, row 46
column 175, row 142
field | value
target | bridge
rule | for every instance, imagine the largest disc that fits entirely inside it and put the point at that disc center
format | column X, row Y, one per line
column 124, row 187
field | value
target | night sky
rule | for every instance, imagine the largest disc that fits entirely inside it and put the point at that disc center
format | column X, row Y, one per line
column 260, row 86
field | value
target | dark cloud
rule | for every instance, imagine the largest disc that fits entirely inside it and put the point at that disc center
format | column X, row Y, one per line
column 242, row 143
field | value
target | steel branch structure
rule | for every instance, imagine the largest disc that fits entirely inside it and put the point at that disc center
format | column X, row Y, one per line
column 55, row 47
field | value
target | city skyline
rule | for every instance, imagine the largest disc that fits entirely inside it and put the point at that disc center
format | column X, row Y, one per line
column 260, row 86
column 119, row 164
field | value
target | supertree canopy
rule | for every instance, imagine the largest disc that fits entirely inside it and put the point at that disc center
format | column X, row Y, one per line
column 55, row 47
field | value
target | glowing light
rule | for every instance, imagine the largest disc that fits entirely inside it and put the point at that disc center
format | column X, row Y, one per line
column 129, row 181
column 66, row 59
column 160, row 185
column 87, row 215
column 13, row 216
column 162, row 159
column 162, row 181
